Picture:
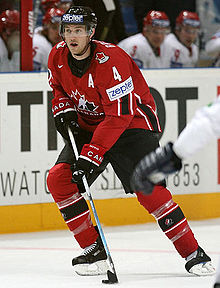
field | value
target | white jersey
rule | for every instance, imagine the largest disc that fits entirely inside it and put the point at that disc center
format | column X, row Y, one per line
column 8, row 65
column 212, row 48
column 203, row 127
column 42, row 48
column 138, row 47
column 181, row 56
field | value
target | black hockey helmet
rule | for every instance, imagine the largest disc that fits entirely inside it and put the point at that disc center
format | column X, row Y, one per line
column 79, row 15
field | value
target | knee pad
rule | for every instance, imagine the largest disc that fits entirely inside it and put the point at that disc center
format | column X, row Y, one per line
column 59, row 182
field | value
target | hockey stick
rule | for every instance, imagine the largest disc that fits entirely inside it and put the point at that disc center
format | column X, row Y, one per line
column 112, row 277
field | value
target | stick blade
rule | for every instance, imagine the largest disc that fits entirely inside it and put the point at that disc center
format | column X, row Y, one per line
column 112, row 278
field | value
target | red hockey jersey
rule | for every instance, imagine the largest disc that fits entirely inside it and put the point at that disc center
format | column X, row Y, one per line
column 110, row 97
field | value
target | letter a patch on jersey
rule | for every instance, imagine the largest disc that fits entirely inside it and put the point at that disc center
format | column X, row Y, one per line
column 101, row 57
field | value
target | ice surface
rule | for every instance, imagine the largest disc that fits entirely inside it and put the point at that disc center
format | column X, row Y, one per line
column 142, row 255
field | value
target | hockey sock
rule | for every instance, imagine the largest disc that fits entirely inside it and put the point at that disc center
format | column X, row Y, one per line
column 170, row 218
column 72, row 205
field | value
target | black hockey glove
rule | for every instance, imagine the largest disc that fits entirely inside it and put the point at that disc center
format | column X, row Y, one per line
column 64, row 115
column 90, row 158
column 154, row 167
column 80, row 168
column 65, row 120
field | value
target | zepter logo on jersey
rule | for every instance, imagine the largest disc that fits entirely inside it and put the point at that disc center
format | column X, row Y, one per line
column 121, row 89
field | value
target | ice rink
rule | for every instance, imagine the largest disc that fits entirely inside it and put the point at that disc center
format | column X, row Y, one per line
column 142, row 255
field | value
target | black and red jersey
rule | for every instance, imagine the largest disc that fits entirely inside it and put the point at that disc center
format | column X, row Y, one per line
column 110, row 97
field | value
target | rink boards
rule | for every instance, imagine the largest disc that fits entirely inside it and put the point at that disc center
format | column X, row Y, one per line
column 29, row 146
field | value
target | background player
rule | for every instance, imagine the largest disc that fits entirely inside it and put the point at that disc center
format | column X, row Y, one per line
column 154, row 167
column 184, row 52
column 101, row 94
column 44, row 39
column 9, row 41
column 147, row 48
column 212, row 48
column 60, row 4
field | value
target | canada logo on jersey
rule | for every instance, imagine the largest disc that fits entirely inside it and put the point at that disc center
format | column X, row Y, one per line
column 83, row 104
column 101, row 57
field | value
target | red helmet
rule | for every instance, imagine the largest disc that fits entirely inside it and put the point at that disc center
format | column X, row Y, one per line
column 9, row 19
column 156, row 18
column 188, row 18
column 47, row 4
column 53, row 15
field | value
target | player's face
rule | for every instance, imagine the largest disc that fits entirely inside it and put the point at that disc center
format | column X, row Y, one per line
column 188, row 35
column 77, row 39
column 155, row 35
column 53, row 33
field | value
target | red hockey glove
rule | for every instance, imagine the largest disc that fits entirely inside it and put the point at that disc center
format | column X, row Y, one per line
column 90, row 158
column 64, row 115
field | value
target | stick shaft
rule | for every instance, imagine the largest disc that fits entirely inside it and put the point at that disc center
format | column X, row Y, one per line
column 92, row 205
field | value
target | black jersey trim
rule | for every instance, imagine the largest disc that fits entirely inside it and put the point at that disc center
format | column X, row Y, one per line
column 152, row 118
column 125, row 105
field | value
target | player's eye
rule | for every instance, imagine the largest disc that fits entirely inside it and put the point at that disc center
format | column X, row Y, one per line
column 68, row 31
column 78, row 31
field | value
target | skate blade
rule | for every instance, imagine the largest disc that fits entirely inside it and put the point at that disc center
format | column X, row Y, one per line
column 203, row 269
column 97, row 268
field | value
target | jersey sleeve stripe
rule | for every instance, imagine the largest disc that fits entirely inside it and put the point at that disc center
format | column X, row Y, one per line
column 146, row 119
column 131, row 103
column 151, row 116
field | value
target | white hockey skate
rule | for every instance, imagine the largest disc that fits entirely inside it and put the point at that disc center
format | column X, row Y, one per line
column 201, row 264
column 92, row 261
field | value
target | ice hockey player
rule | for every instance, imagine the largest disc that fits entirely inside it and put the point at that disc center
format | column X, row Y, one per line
column 153, row 168
column 148, row 48
column 184, row 51
column 9, row 41
column 44, row 39
column 60, row 4
column 101, row 94
column 212, row 48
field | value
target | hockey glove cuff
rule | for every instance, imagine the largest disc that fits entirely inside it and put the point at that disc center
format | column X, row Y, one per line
column 64, row 115
column 90, row 158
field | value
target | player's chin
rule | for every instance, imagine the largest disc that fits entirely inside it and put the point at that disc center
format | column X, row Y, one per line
column 73, row 49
